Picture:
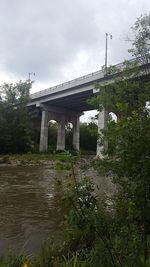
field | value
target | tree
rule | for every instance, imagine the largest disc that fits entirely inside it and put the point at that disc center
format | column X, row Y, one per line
column 129, row 89
column 88, row 136
column 15, row 126
column 128, row 152
column 141, row 39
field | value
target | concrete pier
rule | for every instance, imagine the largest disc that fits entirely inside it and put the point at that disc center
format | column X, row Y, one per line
column 61, row 134
column 76, row 133
column 62, row 117
column 102, row 125
column 44, row 132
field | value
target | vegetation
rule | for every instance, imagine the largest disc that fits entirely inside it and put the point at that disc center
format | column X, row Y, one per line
column 13, row 260
column 15, row 125
column 112, row 231
column 88, row 137
column 20, row 126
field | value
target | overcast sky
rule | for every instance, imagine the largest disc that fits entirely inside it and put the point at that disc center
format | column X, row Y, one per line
column 62, row 39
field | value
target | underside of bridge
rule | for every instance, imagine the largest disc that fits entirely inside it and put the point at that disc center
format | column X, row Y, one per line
column 76, row 102
column 65, row 106
column 63, row 110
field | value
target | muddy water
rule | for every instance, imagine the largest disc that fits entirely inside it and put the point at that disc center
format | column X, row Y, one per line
column 28, row 207
column 29, row 202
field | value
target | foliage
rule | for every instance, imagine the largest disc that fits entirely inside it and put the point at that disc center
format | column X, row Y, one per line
column 129, row 166
column 141, row 39
column 48, row 256
column 88, row 136
column 128, row 161
column 15, row 124
column 28, row 158
column 127, row 87
column 13, row 260
column 20, row 126
column 103, row 232
column 123, row 95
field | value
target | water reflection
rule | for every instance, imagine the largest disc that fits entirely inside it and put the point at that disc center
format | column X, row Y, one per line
column 28, row 207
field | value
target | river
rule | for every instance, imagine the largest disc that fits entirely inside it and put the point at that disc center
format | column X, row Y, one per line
column 29, row 203
column 28, row 207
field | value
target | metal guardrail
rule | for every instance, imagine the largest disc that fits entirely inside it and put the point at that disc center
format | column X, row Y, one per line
column 66, row 85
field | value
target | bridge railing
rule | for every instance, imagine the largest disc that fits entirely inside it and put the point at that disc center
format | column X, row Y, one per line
column 66, row 85
column 75, row 82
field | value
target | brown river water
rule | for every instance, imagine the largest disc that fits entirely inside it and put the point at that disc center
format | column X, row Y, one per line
column 29, row 202
column 28, row 207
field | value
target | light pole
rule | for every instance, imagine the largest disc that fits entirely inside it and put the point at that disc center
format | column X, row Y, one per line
column 31, row 73
column 106, row 45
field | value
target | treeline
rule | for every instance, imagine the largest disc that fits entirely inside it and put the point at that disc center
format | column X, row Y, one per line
column 88, row 137
column 15, row 123
column 20, row 126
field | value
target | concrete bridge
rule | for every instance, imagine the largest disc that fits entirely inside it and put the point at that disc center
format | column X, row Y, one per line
column 65, row 103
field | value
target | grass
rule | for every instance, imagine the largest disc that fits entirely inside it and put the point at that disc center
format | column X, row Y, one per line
column 30, row 158
column 13, row 260
column 26, row 158
column 33, row 157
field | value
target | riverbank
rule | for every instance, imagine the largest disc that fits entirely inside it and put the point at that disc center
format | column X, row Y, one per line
column 45, row 159
column 36, row 159
column 26, row 159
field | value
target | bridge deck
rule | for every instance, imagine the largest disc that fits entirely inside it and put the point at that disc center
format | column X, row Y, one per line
column 74, row 94
column 91, row 77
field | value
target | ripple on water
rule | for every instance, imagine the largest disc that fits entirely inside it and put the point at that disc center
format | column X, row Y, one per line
column 28, row 208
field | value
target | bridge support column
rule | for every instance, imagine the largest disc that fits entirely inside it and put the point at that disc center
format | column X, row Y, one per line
column 76, row 133
column 44, row 132
column 61, row 134
column 102, row 125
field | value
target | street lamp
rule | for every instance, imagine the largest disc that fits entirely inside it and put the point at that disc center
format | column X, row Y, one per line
column 31, row 73
column 110, row 36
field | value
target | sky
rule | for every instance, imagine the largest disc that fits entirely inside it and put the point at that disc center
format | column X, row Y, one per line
column 59, row 40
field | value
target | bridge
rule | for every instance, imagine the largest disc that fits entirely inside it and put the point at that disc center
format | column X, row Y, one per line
column 65, row 103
